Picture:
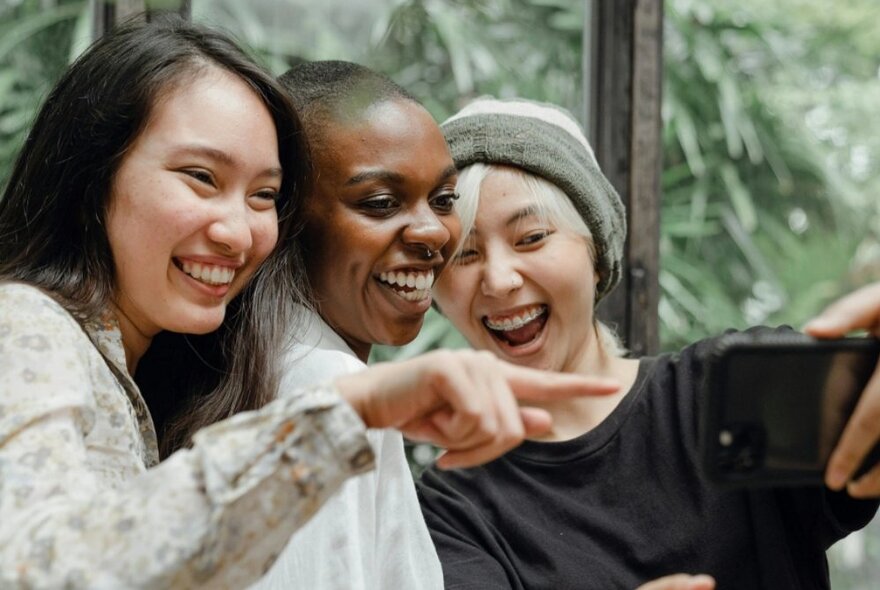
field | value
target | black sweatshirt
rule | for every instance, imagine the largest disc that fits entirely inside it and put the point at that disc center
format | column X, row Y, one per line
column 627, row 503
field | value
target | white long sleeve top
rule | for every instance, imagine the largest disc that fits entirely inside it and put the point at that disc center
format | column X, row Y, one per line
column 371, row 534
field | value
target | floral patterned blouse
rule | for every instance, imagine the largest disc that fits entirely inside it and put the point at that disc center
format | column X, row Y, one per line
column 84, row 500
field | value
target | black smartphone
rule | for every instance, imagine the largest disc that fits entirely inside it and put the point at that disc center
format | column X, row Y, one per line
column 775, row 404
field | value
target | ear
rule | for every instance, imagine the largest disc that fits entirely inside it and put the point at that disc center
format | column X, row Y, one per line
column 597, row 277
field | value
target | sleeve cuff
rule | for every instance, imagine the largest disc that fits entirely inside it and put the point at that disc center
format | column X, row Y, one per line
column 311, row 434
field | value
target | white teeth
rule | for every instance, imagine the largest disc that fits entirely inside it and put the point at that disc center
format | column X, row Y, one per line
column 209, row 273
column 414, row 295
column 420, row 282
column 518, row 321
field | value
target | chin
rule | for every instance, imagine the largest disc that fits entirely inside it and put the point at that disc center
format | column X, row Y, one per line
column 402, row 337
column 200, row 323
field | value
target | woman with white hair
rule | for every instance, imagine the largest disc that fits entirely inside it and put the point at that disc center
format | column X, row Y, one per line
column 612, row 496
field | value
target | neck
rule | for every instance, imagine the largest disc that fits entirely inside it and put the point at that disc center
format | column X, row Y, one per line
column 134, row 342
column 573, row 417
column 360, row 349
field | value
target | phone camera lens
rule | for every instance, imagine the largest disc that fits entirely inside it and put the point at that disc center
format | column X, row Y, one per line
column 725, row 438
column 742, row 448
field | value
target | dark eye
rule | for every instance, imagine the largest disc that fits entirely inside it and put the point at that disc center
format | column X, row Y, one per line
column 534, row 237
column 264, row 200
column 269, row 195
column 445, row 202
column 465, row 256
column 202, row 176
column 380, row 206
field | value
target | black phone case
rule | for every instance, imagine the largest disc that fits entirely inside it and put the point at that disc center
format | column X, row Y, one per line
column 729, row 467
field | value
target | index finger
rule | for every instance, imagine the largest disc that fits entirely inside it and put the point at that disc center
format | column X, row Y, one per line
column 858, row 310
column 537, row 385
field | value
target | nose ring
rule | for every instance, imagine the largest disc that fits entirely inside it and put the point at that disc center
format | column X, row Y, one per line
column 429, row 254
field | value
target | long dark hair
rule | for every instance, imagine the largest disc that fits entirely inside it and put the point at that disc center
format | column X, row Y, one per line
column 52, row 215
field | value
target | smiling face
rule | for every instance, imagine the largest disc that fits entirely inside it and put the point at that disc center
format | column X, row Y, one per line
column 521, row 287
column 382, row 199
column 192, row 208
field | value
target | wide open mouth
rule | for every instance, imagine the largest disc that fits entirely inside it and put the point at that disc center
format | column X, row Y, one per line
column 520, row 328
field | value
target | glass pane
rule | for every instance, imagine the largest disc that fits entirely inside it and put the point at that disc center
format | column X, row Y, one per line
column 443, row 52
column 37, row 41
column 771, row 176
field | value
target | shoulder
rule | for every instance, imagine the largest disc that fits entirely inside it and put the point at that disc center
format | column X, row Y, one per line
column 316, row 353
column 675, row 382
column 305, row 365
column 45, row 362
column 31, row 319
column 27, row 310
column 24, row 297
column 693, row 357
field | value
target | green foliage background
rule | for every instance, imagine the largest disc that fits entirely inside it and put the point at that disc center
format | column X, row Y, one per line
column 771, row 137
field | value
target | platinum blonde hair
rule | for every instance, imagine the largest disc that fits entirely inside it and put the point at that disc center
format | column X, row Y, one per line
column 552, row 207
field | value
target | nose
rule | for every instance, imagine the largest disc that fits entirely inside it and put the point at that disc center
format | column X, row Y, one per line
column 231, row 227
column 500, row 276
column 425, row 230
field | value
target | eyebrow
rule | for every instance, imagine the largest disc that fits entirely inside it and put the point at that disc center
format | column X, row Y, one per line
column 220, row 156
column 395, row 177
column 374, row 175
column 520, row 214
column 517, row 216
column 451, row 170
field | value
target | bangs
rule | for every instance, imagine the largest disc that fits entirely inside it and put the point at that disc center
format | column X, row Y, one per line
column 552, row 205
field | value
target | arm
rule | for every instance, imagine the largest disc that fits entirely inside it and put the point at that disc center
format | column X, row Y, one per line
column 859, row 310
column 77, row 511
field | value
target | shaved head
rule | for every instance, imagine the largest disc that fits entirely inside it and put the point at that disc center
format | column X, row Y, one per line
column 337, row 92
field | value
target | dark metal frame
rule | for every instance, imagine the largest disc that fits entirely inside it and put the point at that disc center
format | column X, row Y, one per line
column 623, row 87
column 107, row 13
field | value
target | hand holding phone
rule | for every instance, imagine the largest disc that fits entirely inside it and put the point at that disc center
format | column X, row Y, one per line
column 858, row 311
column 775, row 405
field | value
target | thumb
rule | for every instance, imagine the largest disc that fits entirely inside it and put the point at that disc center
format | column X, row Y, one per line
column 858, row 310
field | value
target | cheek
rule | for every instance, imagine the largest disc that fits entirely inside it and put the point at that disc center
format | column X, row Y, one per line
column 453, row 292
column 452, row 223
column 133, row 242
column 265, row 236
column 441, row 289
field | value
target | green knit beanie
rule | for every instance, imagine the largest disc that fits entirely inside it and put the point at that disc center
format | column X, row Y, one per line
column 547, row 141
